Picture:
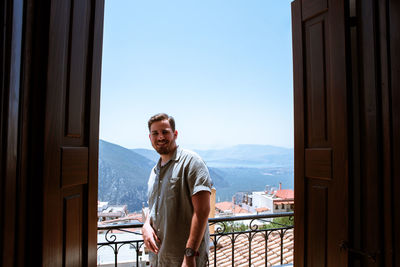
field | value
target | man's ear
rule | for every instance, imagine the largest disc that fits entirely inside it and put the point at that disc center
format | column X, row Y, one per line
column 176, row 134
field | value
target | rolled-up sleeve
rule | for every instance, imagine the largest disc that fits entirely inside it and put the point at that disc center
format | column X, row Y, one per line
column 199, row 177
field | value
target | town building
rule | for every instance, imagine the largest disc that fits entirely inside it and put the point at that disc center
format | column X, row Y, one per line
column 227, row 208
column 273, row 201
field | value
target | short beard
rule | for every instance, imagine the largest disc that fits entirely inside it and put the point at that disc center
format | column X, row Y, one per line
column 165, row 150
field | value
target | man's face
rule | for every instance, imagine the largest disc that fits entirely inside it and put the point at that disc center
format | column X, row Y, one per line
column 162, row 137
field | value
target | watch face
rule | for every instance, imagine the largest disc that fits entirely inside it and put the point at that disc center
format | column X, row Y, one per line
column 189, row 252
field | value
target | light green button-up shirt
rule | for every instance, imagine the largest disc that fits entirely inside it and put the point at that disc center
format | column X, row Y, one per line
column 170, row 189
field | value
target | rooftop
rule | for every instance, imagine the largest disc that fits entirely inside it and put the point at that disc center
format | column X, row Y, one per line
column 285, row 194
column 258, row 244
column 229, row 206
column 262, row 209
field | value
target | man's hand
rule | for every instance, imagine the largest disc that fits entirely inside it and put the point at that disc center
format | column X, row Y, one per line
column 189, row 262
column 150, row 238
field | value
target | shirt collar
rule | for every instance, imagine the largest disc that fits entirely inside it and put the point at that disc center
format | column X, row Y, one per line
column 176, row 154
column 175, row 157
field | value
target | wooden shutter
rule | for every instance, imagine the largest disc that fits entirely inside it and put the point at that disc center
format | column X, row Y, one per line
column 321, row 132
column 71, row 128
column 394, row 45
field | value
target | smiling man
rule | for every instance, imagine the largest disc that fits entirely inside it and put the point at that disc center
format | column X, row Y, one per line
column 179, row 187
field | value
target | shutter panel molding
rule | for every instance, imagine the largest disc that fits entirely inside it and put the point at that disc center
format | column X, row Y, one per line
column 321, row 134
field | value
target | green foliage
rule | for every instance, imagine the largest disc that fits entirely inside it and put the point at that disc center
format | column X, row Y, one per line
column 285, row 221
column 233, row 227
column 241, row 227
column 278, row 222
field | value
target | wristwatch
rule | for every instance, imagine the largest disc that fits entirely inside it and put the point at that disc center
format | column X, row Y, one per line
column 189, row 252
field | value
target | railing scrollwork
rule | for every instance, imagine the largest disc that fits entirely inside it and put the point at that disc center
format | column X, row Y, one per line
column 226, row 231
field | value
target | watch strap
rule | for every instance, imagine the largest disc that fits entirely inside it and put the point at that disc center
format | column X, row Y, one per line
column 189, row 252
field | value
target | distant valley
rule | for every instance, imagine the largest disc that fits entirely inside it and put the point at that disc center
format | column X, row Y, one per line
column 123, row 173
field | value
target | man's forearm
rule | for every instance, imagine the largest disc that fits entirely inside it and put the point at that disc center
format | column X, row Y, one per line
column 198, row 226
column 201, row 204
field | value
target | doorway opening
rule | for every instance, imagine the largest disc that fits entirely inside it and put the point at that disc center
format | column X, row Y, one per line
column 223, row 70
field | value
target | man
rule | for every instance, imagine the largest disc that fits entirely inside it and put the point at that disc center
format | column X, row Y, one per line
column 176, row 228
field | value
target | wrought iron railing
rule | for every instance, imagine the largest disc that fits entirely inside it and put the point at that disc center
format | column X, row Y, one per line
column 252, row 239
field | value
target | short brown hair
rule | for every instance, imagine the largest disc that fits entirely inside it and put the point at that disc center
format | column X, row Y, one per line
column 161, row 117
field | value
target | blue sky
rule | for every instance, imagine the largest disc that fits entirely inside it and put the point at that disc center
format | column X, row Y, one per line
column 222, row 68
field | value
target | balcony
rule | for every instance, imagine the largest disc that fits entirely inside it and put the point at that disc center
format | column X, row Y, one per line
column 255, row 240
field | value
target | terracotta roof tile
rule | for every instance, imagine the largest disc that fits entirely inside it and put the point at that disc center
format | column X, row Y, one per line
column 241, row 250
column 262, row 209
column 285, row 194
column 227, row 206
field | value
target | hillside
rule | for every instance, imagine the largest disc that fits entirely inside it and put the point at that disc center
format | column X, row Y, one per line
column 247, row 156
column 252, row 156
column 123, row 173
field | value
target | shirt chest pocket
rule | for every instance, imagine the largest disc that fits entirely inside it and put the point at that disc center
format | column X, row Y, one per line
column 174, row 187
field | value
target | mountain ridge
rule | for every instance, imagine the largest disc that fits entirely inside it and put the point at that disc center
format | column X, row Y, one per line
column 123, row 173
column 242, row 155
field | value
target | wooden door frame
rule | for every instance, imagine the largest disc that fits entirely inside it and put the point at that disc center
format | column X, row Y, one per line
column 21, row 118
column 376, row 104
column 374, row 133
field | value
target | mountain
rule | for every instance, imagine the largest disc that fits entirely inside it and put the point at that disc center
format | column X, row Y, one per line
column 244, row 167
column 123, row 173
column 147, row 153
column 152, row 155
column 253, row 179
column 246, row 156
column 252, row 156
